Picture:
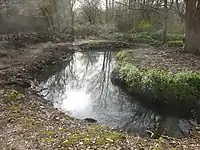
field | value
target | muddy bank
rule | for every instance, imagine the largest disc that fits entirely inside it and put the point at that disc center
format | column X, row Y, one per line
column 19, row 60
column 27, row 122
column 101, row 45
column 17, row 67
column 168, row 90
column 36, row 37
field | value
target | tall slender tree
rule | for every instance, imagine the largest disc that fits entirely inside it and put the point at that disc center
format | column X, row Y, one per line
column 165, row 22
column 71, row 4
column 107, row 11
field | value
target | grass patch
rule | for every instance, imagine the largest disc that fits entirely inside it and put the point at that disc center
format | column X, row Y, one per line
column 48, row 133
column 48, row 136
column 15, row 108
column 15, row 95
column 182, row 86
column 97, row 135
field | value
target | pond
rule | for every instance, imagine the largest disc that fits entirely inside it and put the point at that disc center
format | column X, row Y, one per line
column 82, row 88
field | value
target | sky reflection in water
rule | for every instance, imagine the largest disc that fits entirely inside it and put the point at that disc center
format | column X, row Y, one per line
column 83, row 89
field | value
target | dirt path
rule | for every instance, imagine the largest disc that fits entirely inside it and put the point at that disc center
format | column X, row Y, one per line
column 17, row 56
column 28, row 122
column 171, row 59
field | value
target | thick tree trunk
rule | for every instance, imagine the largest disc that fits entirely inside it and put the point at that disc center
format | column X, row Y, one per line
column 192, row 24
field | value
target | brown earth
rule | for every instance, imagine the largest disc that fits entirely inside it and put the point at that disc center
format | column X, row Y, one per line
column 172, row 59
column 27, row 121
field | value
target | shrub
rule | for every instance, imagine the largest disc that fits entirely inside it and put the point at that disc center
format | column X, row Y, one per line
column 87, row 30
column 93, row 30
column 145, row 26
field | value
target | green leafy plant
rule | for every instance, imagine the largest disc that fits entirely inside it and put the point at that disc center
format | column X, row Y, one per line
column 183, row 85
column 175, row 37
column 145, row 25
column 175, row 43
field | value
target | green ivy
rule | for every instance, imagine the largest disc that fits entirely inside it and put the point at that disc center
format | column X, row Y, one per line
column 175, row 37
column 175, row 43
column 182, row 85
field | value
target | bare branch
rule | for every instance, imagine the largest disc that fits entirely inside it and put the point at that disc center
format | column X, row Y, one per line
column 180, row 13
column 171, row 4
column 138, row 9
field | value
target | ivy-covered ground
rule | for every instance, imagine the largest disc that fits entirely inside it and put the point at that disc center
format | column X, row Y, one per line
column 169, row 78
column 152, row 38
column 27, row 121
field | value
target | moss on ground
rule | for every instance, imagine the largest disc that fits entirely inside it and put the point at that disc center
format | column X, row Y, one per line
column 15, row 95
column 96, row 135
column 182, row 86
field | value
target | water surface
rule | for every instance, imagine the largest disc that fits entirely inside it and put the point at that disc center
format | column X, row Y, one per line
column 82, row 88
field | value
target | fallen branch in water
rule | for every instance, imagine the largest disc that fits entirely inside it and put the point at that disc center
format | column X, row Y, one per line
column 41, row 90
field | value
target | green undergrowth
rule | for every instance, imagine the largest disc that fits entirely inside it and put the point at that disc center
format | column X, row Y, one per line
column 175, row 43
column 155, row 38
column 152, row 38
column 182, row 86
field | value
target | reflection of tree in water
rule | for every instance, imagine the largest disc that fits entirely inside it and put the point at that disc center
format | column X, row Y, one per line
column 53, row 80
column 90, row 71
column 143, row 120
column 66, row 76
column 54, row 87
column 50, row 71
column 99, row 82
column 79, row 69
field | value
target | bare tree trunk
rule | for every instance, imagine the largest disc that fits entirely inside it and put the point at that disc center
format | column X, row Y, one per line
column 113, row 8
column 129, row 14
column 48, row 9
column 72, row 2
column 106, row 11
column 165, row 22
column 192, row 24
column 72, row 22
